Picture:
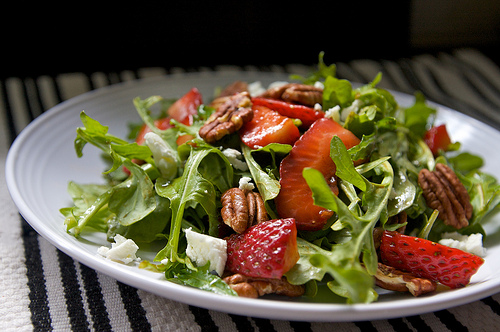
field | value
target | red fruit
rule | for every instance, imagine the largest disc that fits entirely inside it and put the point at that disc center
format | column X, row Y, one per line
column 311, row 150
column 437, row 138
column 306, row 114
column 268, row 126
column 182, row 110
column 266, row 250
column 186, row 107
column 449, row 266
column 162, row 124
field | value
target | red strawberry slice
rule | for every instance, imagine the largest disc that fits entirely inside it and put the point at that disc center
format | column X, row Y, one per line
column 266, row 250
column 162, row 124
column 306, row 114
column 449, row 266
column 268, row 126
column 437, row 139
column 186, row 107
column 311, row 150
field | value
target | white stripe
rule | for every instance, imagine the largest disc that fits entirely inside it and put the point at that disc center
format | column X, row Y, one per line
column 223, row 321
column 397, row 75
column 167, row 315
column 53, row 283
column 454, row 85
column 86, row 308
column 118, row 318
column 14, row 291
column 482, row 63
column 47, row 92
column 477, row 79
column 72, row 84
column 99, row 79
column 476, row 316
column 19, row 108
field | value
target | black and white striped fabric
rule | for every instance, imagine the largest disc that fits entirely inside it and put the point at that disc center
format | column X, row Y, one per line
column 43, row 289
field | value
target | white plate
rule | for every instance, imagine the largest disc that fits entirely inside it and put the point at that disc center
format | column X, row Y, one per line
column 42, row 161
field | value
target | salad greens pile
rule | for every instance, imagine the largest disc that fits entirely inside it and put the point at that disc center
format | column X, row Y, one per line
column 156, row 200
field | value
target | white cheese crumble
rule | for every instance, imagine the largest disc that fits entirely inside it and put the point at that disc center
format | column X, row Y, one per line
column 202, row 248
column 277, row 84
column 122, row 250
column 256, row 88
column 234, row 156
column 333, row 113
column 470, row 243
column 162, row 155
column 354, row 107
column 244, row 183
column 319, row 84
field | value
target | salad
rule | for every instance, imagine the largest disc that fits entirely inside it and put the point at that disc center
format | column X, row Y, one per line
column 301, row 188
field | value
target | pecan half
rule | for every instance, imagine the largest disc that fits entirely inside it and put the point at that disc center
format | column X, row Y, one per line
column 228, row 91
column 444, row 192
column 255, row 287
column 228, row 118
column 242, row 209
column 296, row 93
column 393, row 279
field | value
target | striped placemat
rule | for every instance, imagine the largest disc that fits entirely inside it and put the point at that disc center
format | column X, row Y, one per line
column 43, row 289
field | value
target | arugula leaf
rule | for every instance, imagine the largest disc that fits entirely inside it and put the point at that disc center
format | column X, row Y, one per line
column 343, row 162
column 420, row 116
column 267, row 185
column 201, row 278
column 343, row 261
column 84, row 196
column 192, row 189
column 337, row 92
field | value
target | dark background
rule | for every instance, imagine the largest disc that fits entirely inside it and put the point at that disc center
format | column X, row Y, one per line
column 41, row 38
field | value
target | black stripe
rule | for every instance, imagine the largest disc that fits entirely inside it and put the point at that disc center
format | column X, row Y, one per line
column 264, row 324
column 27, row 99
column 301, row 326
column 242, row 323
column 133, row 306
column 203, row 319
column 494, row 305
column 439, row 96
column 448, row 319
column 470, row 68
column 57, row 89
column 11, row 127
column 95, row 300
column 399, row 324
column 365, row 326
column 72, row 293
column 418, row 323
column 39, row 303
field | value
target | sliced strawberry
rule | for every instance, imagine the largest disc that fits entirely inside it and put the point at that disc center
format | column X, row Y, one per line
column 182, row 110
column 311, row 150
column 162, row 124
column 449, row 266
column 186, row 107
column 268, row 126
column 266, row 250
column 306, row 114
column 437, row 139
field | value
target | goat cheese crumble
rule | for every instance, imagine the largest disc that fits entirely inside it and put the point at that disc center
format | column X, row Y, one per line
column 202, row 248
column 234, row 156
column 470, row 243
column 123, row 250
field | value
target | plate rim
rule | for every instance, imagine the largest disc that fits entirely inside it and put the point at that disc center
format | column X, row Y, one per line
column 275, row 309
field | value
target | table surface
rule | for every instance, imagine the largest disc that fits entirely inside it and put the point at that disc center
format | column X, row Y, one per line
column 41, row 288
